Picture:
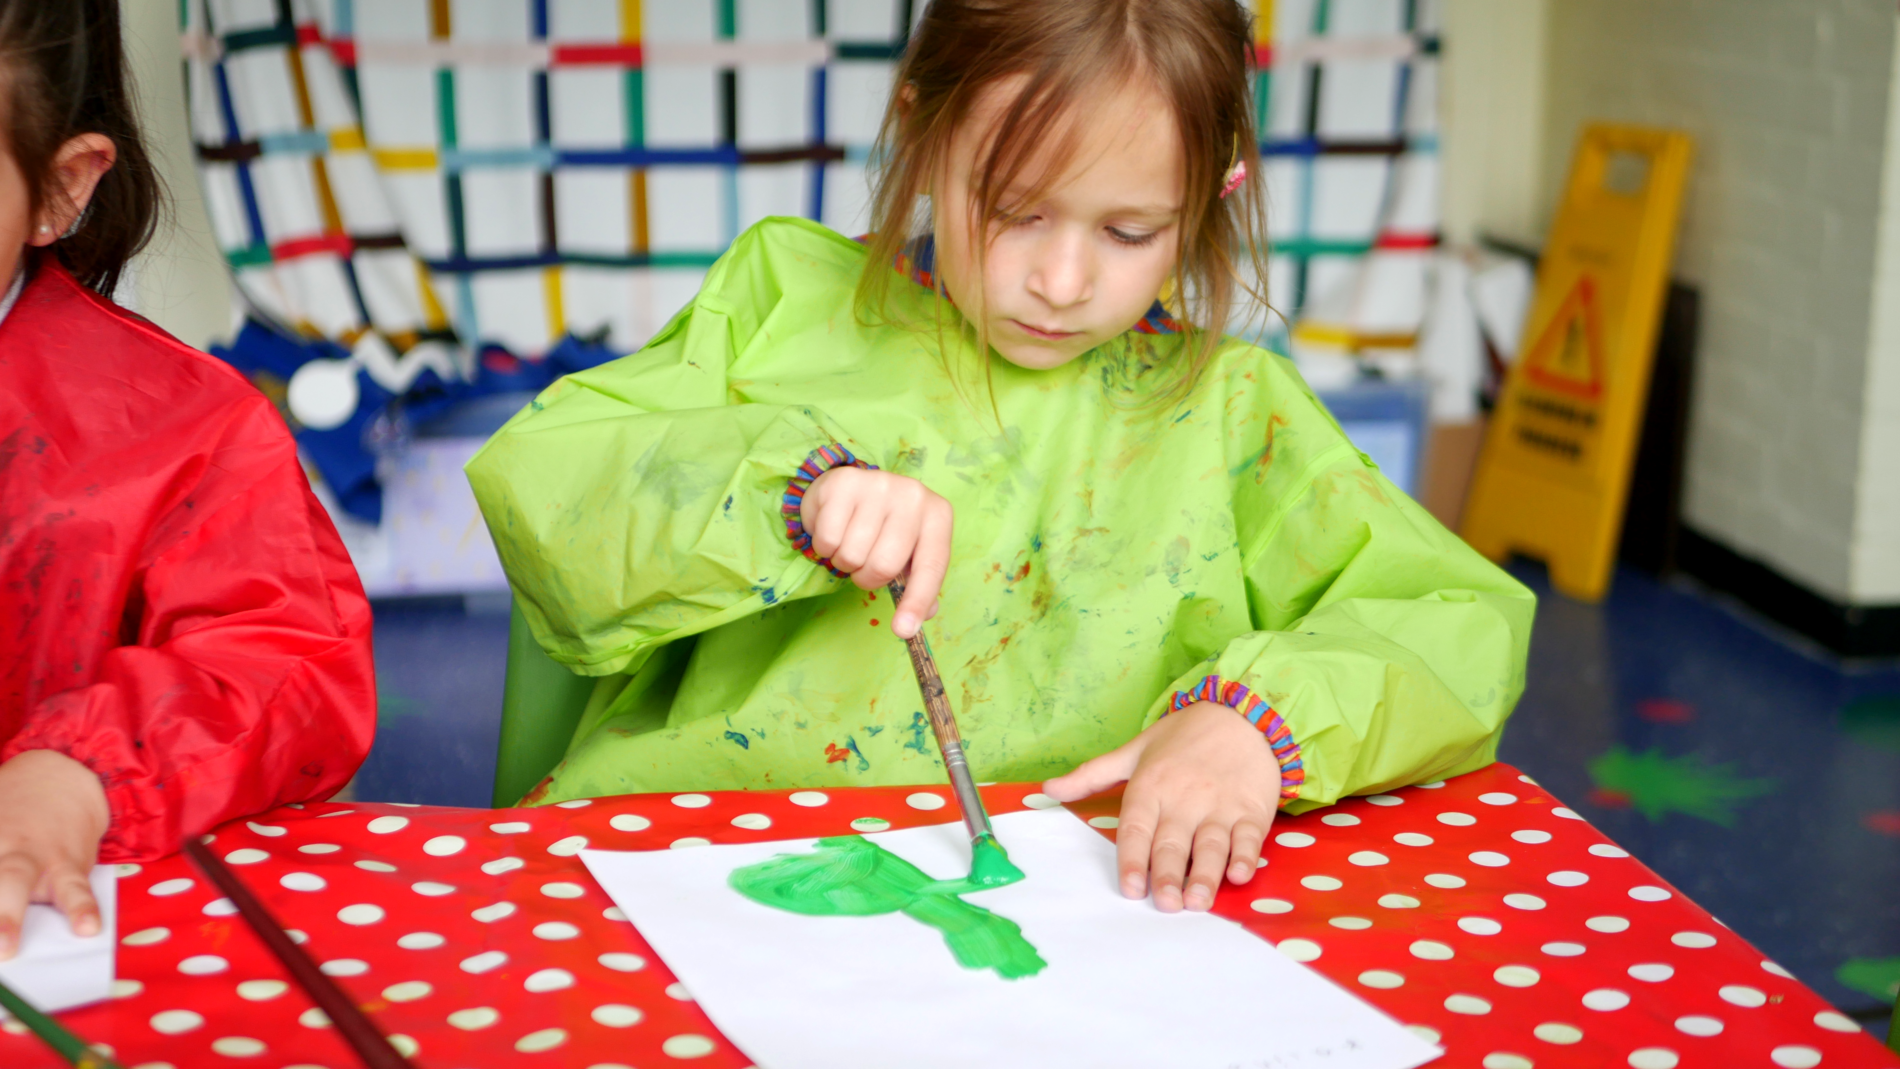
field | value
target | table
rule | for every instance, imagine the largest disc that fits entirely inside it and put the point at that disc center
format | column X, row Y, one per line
column 1480, row 912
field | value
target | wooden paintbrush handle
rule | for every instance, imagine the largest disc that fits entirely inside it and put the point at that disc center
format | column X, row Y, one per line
column 943, row 722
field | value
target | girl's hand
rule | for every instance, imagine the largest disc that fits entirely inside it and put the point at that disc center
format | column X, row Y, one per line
column 52, row 815
column 1203, row 787
column 875, row 527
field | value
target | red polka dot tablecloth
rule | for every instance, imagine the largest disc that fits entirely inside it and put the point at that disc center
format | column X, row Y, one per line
column 1480, row 912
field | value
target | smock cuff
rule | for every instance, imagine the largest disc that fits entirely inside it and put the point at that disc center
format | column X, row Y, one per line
column 1257, row 712
column 822, row 460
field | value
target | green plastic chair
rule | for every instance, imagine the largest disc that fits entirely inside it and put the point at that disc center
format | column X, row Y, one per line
column 541, row 704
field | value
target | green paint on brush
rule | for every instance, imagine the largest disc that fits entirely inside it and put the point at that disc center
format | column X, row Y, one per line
column 848, row 876
column 989, row 863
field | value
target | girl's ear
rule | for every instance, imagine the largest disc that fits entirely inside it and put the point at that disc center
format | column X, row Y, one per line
column 76, row 170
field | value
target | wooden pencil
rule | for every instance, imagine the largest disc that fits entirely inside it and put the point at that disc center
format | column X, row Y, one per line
column 54, row 1034
column 370, row 1045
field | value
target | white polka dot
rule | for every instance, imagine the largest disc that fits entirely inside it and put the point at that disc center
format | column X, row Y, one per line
column 1424, row 1032
column 1742, row 995
column 1272, row 905
column 408, row 991
column 336, row 813
column 174, row 1022
column 1697, row 1025
column 548, row 980
column 1653, row 1058
column 1563, row 950
column 483, row 962
column 808, row 798
column 563, row 889
column 1397, row 901
column 569, row 846
column 629, row 822
column 1605, row 999
column 1457, row 820
column 1608, row 925
column 614, row 913
column 1568, row 878
column 1771, row 967
column 616, row 1015
column 1497, row 798
column 1836, row 1022
column 420, row 941
column 692, row 801
column 1470, row 1005
column 405, row 1045
column 1294, row 839
column 1432, row 786
column 170, row 887
column 375, row 866
column 1412, row 838
column 619, row 962
column 431, row 889
column 1040, row 800
column 752, row 821
column 1693, row 940
column 296, row 936
column 1431, row 950
column 1567, row 813
column 1383, row 979
column 1499, row 1059
column 1795, row 1056
column 687, row 1045
column 219, row 907
column 574, row 803
column 261, row 990
column 1105, row 823
column 1490, row 859
column 1648, row 893
column 1385, row 799
column 129, row 868
column 1444, row 879
column 318, row 848
column 555, row 930
column 203, row 965
column 1321, row 883
column 1367, row 858
column 314, row 1018
column 128, row 988
column 1531, row 836
column 238, row 1046
column 386, row 825
column 1654, row 972
column 269, row 831
column 246, row 856
column 491, row 914
column 360, row 914
column 1606, row 850
column 503, row 864
column 303, row 881
column 924, row 800
column 545, row 1039
column 689, row 841
column 145, row 937
column 475, row 1018
column 1351, row 924
column 1556, row 1032
column 1517, row 976
column 1524, row 902
column 1300, row 949
column 677, row 991
column 444, row 845
column 1480, row 925
column 344, row 967
column 869, row 824
column 511, row 827
column 1339, row 820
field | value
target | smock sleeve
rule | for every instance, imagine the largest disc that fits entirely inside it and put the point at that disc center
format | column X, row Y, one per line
column 634, row 505
column 244, row 680
column 1387, row 651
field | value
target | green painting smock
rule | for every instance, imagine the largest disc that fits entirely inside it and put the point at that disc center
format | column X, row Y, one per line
column 1107, row 553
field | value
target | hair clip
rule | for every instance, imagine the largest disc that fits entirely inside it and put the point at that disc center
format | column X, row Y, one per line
column 1235, row 176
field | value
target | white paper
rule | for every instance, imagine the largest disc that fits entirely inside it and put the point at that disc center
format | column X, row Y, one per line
column 1125, row 984
column 55, row 969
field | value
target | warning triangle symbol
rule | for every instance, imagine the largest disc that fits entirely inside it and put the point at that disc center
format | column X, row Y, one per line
column 1568, row 354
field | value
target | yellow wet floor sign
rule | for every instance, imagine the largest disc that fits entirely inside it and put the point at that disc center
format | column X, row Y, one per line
column 1553, row 477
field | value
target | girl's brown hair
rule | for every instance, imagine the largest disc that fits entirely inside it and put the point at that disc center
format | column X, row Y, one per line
column 62, row 68
column 1197, row 54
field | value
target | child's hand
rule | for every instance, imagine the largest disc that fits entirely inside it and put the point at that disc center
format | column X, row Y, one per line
column 52, row 814
column 1203, row 787
column 875, row 527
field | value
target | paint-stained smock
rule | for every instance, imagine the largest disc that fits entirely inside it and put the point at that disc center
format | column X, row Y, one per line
column 1108, row 554
column 176, row 610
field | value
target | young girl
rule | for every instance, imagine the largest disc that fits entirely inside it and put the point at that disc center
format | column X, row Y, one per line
column 182, row 638
column 1156, row 551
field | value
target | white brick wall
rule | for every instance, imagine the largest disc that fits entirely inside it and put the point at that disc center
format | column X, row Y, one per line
column 1874, row 568
column 1788, row 103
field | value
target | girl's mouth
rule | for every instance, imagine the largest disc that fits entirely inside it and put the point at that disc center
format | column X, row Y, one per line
column 1046, row 335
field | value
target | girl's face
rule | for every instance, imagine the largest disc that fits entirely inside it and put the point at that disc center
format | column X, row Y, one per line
column 1083, row 264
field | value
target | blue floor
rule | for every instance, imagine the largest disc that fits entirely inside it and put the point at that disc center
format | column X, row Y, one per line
column 1756, row 773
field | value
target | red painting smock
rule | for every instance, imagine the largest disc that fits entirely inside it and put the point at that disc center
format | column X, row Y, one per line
column 176, row 609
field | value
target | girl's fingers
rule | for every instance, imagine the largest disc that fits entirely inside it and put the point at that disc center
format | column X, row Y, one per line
column 1243, row 856
column 857, row 540
column 1097, row 775
column 72, row 895
column 895, row 541
column 18, row 874
column 930, row 559
column 1133, row 839
column 1168, row 861
column 829, row 525
column 1211, row 843
column 932, row 614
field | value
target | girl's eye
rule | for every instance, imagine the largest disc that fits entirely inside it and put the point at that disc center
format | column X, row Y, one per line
column 1126, row 238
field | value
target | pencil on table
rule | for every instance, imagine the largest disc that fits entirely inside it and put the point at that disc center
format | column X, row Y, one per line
column 54, row 1034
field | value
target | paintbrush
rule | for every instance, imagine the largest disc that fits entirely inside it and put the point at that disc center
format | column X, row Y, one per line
column 370, row 1045
column 53, row 1034
column 989, row 862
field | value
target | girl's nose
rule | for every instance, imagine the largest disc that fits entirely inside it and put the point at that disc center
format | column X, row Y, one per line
column 1062, row 274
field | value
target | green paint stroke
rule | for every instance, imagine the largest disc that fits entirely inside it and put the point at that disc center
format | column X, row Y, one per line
column 1657, row 785
column 848, row 876
column 1879, row 977
column 990, row 865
